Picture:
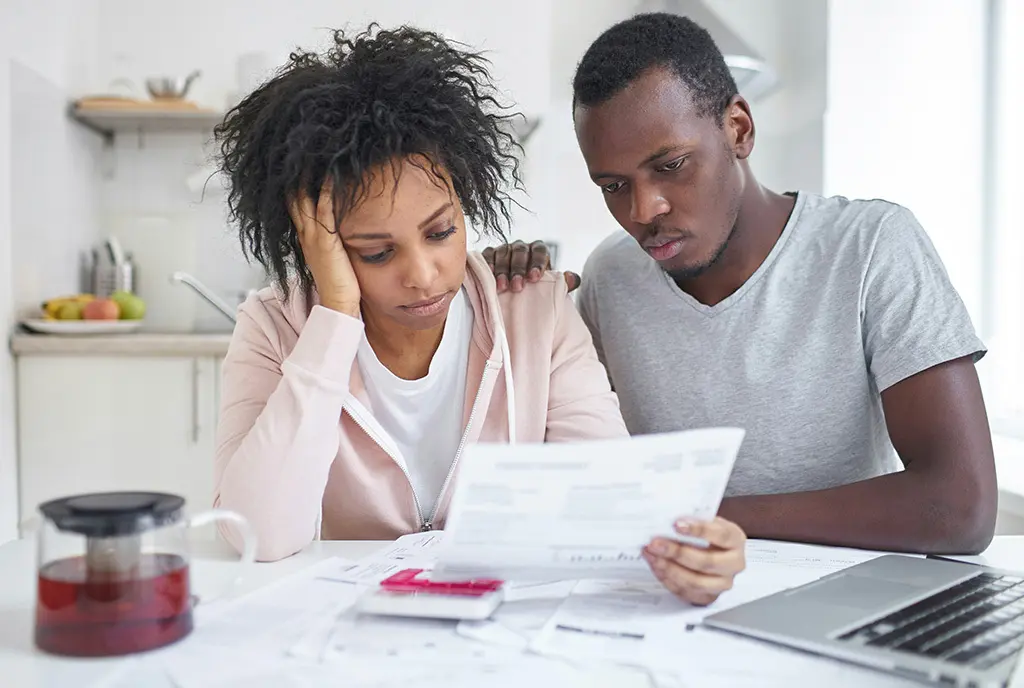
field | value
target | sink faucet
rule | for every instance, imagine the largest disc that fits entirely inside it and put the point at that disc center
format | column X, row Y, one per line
column 204, row 292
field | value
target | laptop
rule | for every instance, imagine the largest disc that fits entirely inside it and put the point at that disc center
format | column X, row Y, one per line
column 942, row 622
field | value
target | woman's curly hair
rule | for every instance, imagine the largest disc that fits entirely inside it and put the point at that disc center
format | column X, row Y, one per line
column 373, row 99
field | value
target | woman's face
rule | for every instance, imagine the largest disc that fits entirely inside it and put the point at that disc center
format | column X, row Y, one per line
column 407, row 243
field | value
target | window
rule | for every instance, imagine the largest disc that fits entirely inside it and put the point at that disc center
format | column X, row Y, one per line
column 1003, row 284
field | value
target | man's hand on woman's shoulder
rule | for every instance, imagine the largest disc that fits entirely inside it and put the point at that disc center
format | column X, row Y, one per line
column 517, row 263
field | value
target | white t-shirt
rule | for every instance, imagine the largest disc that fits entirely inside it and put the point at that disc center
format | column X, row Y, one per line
column 424, row 417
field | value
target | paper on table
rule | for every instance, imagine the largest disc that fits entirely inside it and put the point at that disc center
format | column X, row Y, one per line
column 651, row 632
column 376, row 651
column 645, row 625
column 130, row 673
column 607, row 618
column 513, row 670
column 521, row 616
column 253, row 631
column 520, row 620
column 580, row 510
column 711, row 658
column 348, row 636
column 413, row 548
column 1006, row 552
column 414, row 551
column 820, row 558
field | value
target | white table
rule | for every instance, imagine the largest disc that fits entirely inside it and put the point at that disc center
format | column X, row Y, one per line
column 23, row 666
column 212, row 568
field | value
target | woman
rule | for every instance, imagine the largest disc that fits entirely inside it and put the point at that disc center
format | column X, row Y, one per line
column 353, row 384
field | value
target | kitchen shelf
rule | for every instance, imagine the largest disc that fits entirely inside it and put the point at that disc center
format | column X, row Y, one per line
column 150, row 118
column 109, row 122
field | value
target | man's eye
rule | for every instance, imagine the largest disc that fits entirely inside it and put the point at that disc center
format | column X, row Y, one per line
column 674, row 165
column 611, row 188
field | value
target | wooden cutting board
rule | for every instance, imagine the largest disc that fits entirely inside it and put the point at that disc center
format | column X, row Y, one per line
column 133, row 105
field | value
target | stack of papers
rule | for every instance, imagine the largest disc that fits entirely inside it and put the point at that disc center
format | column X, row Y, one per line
column 564, row 527
column 416, row 551
column 369, row 648
column 303, row 632
column 644, row 625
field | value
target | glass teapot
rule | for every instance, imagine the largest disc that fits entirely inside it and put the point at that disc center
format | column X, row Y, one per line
column 113, row 572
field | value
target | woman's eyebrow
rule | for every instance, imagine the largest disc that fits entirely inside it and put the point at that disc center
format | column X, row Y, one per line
column 436, row 214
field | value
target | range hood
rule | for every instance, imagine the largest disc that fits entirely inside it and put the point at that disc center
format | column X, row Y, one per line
column 754, row 77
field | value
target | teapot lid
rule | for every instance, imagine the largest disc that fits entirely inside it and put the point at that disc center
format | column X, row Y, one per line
column 107, row 514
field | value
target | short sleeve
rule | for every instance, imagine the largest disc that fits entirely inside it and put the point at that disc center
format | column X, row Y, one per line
column 912, row 316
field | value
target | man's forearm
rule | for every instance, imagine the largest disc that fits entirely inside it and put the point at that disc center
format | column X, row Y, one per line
column 903, row 512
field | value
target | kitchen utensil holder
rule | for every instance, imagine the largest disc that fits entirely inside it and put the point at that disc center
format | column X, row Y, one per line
column 107, row 278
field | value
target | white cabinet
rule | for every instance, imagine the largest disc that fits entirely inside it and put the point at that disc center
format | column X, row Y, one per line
column 97, row 423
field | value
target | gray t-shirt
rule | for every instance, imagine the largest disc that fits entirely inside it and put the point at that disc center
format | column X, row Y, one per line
column 852, row 299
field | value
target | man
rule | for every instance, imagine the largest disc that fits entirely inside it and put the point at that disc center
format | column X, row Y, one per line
column 827, row 328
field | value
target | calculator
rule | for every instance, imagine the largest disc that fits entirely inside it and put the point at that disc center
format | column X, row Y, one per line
column 409, row 593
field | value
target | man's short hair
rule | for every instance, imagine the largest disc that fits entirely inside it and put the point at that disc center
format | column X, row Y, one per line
column 631, row 47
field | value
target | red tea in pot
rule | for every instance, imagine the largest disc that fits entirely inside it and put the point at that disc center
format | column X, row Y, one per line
column 113, row 573
column 88, row 612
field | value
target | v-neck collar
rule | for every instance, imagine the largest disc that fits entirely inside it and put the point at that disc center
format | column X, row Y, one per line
column 733, row 298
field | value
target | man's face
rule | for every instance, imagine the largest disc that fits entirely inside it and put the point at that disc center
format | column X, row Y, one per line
column 669, row 176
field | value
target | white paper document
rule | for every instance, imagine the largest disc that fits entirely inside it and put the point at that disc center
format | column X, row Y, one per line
column 639, row 626
column 580, row 510
column 378, row 652
column 598, row 613
column 820, row 559
column 302, row 632
column 522, row 615
column 249, row 635
column 414, row 551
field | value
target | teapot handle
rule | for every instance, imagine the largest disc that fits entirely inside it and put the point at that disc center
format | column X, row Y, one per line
column 248, row 540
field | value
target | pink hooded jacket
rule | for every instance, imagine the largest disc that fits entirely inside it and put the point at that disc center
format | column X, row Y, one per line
column 299, row 451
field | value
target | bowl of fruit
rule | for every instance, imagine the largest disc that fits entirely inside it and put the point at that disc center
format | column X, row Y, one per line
column 79, row 314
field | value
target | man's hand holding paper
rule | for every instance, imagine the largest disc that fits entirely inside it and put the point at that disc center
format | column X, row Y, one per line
column 601, row 509
column 699, row 574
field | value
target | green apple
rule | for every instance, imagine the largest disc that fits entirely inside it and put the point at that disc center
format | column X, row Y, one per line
column 132, row 307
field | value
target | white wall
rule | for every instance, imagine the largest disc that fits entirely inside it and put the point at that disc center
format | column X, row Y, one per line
column 52, row 182
column 905, row 118
column 53, row 190
column 8, row 446
column 792, row 37
column 46, row 187
column 53, row 159
column 151, row 37
column 1005, row 364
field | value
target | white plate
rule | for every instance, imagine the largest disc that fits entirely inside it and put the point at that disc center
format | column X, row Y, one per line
column 78, row 327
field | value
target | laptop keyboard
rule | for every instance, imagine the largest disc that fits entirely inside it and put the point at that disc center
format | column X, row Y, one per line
column 978, row 622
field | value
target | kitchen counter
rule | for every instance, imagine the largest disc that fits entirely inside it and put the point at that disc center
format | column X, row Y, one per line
column 135, row 344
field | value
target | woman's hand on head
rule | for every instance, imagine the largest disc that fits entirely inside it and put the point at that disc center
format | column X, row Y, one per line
column 324, row 251
column 694, row 574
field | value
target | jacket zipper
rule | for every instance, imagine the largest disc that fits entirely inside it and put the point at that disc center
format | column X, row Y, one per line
column 429, row 523
column 401, row 464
